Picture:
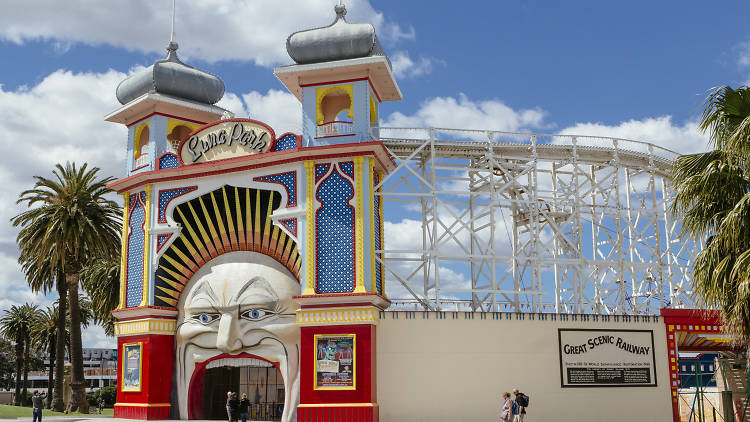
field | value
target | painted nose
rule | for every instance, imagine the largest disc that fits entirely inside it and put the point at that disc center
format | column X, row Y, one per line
column 227, row 339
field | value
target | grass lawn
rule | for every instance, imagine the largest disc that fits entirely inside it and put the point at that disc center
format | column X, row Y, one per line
column 12, row 412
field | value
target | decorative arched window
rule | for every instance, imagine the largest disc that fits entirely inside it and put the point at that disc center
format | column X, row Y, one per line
column 334, row 110
column 140, row 146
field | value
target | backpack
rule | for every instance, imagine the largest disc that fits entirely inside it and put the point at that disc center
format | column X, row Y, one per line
column 523, row 400
column 516, row 409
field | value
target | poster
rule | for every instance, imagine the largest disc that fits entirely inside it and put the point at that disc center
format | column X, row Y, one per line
column 131, row 367
column 607, row 358
column 334, row 362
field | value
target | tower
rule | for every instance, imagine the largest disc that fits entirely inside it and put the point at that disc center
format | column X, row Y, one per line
column 160, row 106
column 341, row 76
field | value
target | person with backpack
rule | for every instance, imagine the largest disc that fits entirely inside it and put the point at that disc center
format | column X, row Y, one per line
column 506, row 412
column 522, row 402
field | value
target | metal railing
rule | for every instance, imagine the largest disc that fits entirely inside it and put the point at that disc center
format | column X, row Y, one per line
column 334, row 129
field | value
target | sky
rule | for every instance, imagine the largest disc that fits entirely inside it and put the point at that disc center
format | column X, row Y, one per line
column 638, row 70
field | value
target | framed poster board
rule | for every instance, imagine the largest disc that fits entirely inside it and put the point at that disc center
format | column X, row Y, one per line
column 606, row 358
column 335, row 362
column 132, row 366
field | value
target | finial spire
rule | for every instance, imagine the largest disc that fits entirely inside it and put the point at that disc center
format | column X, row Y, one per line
column 174, row 11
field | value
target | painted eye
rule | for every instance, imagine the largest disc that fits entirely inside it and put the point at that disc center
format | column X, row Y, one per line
column 205, row 318
column 255, row 314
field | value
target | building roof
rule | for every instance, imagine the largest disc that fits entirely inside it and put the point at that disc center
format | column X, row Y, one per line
column 338, row 41
column 174, row 78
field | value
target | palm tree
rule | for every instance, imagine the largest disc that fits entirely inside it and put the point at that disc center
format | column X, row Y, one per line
column 712, row 196
column 17, row 325
column 44, row 337
column 101, row 280
column 70, row 222
column 39, row 279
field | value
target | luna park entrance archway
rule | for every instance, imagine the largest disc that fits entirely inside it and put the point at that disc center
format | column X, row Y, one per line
column 263, row 385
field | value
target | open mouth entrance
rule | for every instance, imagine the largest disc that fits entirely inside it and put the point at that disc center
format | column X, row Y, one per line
column 261, row 381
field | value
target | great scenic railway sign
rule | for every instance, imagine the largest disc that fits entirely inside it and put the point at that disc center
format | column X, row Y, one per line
column 226, row 139
column 606, row 358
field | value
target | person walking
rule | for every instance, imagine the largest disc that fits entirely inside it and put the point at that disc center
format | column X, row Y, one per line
column 229, row 409
column 234, row 407
column 244, row 407
column 523, row 402
column 506, row 413
column 37, row 404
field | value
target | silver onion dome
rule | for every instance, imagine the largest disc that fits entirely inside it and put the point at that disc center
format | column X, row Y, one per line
column 337, row 41
column 174, row 78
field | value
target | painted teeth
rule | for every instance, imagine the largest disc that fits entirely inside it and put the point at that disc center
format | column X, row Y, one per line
column 237, row 362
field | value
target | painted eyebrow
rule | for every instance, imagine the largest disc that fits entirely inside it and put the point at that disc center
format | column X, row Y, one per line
column 206, row 289
column 262, row 283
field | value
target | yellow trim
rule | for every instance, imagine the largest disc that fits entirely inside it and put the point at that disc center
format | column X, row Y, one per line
column 310, row 227
column 257, row 238
column 359, row 227
column 223, row 236
column 369, row 314
column 143, row 404
column 140, row 366
column 124, row 248
column 373, row 110
column 321, row 93
column 146, row 247
column 374, row 286
column 145, row 326
column 137, row 138
column 315, row 359
column 381, row 174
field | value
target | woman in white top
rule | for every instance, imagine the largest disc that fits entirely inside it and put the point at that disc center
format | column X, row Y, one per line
column 506, row 414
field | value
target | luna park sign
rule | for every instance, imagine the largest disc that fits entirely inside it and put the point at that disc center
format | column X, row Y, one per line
column 226, row 139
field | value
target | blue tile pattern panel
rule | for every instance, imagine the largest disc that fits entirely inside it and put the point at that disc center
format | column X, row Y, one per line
column 166, row 196
column 286, row 142
column 161, row 240
column 291, row 225
column 321, row 170
column 288, row 180
column 334, row 227
column 378, row 240
column 168, row 161
column 348, row 168
column 134, row 282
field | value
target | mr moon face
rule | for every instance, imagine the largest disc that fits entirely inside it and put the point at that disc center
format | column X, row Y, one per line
column 236, row 305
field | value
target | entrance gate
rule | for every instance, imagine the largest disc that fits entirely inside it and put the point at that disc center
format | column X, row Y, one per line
column 263, row 385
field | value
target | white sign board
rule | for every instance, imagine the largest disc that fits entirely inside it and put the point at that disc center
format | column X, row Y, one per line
column 607, row 358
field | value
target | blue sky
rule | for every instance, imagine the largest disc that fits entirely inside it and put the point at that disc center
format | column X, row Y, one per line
column 636, row 69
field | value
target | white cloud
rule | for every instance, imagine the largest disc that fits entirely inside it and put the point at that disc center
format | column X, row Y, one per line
column 464, row 113
column 210, row 29
column 405, row 67
column 661, row 131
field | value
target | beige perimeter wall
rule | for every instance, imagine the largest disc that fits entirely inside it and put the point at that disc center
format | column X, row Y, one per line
column 455, row 369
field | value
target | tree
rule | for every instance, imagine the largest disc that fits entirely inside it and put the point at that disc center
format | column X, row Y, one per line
column 16, row 324
column 101, row 280
column 7, row 364
column 712, row 196
column 44, row 337
column 70, row 222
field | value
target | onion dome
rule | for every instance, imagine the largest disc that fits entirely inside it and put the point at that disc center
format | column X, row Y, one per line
column 174, row 78
column 338, row 41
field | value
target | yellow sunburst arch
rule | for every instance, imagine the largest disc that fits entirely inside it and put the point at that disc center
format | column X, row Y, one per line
column 225, row 220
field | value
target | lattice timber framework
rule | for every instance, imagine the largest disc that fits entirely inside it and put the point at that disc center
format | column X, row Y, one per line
column 531, row 223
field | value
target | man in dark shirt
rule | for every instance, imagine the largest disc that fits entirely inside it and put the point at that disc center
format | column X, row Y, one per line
column 37, row 403
column 244, row 407
column 234, row 405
